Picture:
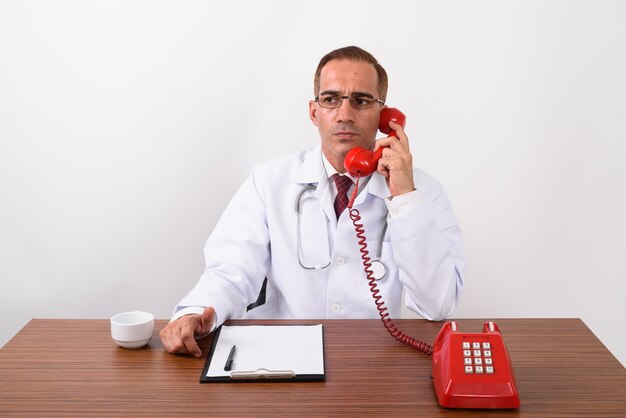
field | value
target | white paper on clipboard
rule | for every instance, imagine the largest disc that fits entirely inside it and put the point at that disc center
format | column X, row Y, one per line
column 296, row 348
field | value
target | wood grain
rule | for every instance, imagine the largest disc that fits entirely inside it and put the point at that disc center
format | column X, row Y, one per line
column 73, row 368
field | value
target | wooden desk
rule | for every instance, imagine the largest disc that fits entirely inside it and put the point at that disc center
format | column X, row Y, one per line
column 73, row 368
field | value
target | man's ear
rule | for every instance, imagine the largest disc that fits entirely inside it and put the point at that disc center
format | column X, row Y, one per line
column 313, row 112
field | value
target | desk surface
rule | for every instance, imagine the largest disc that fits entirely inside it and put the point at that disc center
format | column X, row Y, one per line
column 73, row 368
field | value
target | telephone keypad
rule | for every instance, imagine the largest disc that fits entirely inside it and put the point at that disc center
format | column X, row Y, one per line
column 479, row 358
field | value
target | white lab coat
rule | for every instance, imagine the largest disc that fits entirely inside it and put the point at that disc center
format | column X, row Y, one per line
column 256, row 238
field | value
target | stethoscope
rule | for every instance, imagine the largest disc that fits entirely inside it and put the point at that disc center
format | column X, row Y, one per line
column 378, row 268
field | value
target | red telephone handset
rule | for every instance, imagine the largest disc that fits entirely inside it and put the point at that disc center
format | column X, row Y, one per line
column 361, row 162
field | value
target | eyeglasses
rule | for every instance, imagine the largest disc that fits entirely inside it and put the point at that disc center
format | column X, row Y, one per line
column 357, row 100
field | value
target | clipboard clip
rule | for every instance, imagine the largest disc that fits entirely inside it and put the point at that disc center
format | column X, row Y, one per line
column 263, row 374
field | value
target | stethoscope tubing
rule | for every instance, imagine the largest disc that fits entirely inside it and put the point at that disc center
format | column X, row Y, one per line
column 379, row 267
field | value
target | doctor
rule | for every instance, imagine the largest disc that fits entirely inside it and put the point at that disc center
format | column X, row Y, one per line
column 282, row 224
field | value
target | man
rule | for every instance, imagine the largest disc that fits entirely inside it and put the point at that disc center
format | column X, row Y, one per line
column 312, row 261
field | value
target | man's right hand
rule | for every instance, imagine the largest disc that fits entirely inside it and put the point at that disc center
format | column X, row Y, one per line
column 179, row 336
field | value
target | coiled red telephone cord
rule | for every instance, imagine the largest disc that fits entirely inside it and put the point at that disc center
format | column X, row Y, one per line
column 355, row 216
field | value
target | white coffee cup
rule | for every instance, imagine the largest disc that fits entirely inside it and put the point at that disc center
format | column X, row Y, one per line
column 132, row 329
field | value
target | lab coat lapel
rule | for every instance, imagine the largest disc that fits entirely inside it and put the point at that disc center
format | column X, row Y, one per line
column 377, row 186
column 312, row 172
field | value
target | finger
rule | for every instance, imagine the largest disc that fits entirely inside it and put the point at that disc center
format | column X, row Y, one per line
column 206, row 321
column 382, row 169
column 176, row 343
column 396, row 127
column 387, row 154
column 188, row 342
column 178, row 346
column 400, row 135
column 165, row 339
column 383, row 142
column 171, row 342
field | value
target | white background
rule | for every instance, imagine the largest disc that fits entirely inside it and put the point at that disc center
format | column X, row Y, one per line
column 126, row 127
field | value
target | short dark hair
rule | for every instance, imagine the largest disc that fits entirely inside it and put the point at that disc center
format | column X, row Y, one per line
column 353, row 53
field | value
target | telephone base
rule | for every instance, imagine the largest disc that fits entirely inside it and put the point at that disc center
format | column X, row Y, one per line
column 473, row 370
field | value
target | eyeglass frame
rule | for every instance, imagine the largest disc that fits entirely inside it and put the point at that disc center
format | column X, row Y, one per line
column 350, row 98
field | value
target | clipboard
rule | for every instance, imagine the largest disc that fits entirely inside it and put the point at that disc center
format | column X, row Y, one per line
column 266, row 353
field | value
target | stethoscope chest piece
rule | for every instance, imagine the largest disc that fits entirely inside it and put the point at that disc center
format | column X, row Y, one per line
column 378, row 269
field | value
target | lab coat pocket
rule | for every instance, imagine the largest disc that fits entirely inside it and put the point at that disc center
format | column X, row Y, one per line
column 267, row 309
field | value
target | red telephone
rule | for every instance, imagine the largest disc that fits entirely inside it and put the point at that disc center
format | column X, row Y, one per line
column 473, row 370
column 469, row 370
column 361, row 161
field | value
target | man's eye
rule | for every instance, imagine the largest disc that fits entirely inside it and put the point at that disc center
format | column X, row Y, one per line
column 329, row 99
column 363, row 101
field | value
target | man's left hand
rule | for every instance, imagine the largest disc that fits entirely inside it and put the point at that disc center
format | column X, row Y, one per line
column 396, row 164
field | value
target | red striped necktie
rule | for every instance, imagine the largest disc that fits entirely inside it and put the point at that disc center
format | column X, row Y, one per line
column 343, row 184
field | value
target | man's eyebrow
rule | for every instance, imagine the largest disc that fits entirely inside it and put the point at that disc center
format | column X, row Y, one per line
column 356, row 93
column 362, row 93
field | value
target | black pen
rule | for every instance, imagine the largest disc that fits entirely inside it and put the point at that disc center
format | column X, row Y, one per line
column 229, row 360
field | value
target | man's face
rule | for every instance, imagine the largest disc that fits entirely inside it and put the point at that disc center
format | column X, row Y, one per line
column 344, row 128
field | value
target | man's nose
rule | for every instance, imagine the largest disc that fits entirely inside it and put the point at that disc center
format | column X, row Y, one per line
column 345, row 112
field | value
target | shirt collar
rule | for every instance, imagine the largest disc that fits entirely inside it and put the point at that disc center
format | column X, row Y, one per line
column 315, row 169
column 331, row 171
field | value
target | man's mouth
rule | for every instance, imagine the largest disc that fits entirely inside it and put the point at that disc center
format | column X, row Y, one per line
column 345, row 134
